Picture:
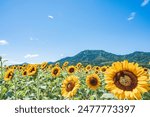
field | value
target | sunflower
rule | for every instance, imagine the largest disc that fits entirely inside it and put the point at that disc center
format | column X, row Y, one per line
column 31, row 70
column 24, row 73
column 88, row 67
column 50, row 66
column 43, row 65
column 55, row 71
column 20, row 68
column 93, row 81
column 71, row 69
column 7, row 67
column 65, row 64
column 126, row 80
column 96, row 71
column 103, row 68
column 14, row 67
column 96, row 68
column 9, row 74
column 78, row 65
column 24, row 65
column 70, row 86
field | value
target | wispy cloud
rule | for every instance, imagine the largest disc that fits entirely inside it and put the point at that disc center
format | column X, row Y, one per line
column 31, row 56
column 131, row 16
column 50, row 17
column 61, row 55
column 33, row 39
column 145, row 2
column 3, row 42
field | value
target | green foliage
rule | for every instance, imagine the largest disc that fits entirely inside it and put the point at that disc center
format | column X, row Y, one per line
column 100, row 57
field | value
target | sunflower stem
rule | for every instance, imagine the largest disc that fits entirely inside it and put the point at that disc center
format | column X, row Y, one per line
column 96, row 95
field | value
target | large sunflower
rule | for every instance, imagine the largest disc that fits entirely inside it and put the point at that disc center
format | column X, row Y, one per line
column 71, row 69
column 9, row 74
column 70, row 86
column 126, row 80
column 31, row 70
column 55, row 71
column 93, row 81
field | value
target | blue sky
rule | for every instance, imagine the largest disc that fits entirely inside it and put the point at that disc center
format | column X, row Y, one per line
column 47, row 30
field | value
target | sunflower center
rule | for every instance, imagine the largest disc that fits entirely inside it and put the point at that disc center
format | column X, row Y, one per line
column 32, row 69
column 93, row 81
column 125, row 80
column 70, row 86
column 25, row 73
column 97, row 68
column 96, row 72
column 10, row 75
column 103, row 69
column 88, row 67
column 55, row 71
column 71, row 70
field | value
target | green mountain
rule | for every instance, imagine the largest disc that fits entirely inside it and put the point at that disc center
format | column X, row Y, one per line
column 100, row 57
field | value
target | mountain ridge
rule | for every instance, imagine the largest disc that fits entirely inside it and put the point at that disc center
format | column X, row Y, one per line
column 101, row 57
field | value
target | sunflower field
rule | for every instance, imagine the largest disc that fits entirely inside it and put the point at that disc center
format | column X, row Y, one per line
column 122, row 80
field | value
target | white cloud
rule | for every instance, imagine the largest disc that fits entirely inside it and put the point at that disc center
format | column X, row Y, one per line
column 31, row 56
column 131, row 16
column 33, row 39
column 145, row 2
column 3, row 42
column 50, row 17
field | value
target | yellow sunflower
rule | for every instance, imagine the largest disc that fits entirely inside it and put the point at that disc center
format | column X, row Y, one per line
column 31, row 70
column 88, row 67
column 71, row 69
column 24, row 73
column 70, row 86
column 96, row 68
column 65, row 64
column 78, row 65
column 55, row 71
column 103, row 68
column 126, row 80
column 43, row 65
column 24, row 65
column 9, row 74
column 50, row 66
column 93, row 81
column 96, row 71
column 7, row 67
